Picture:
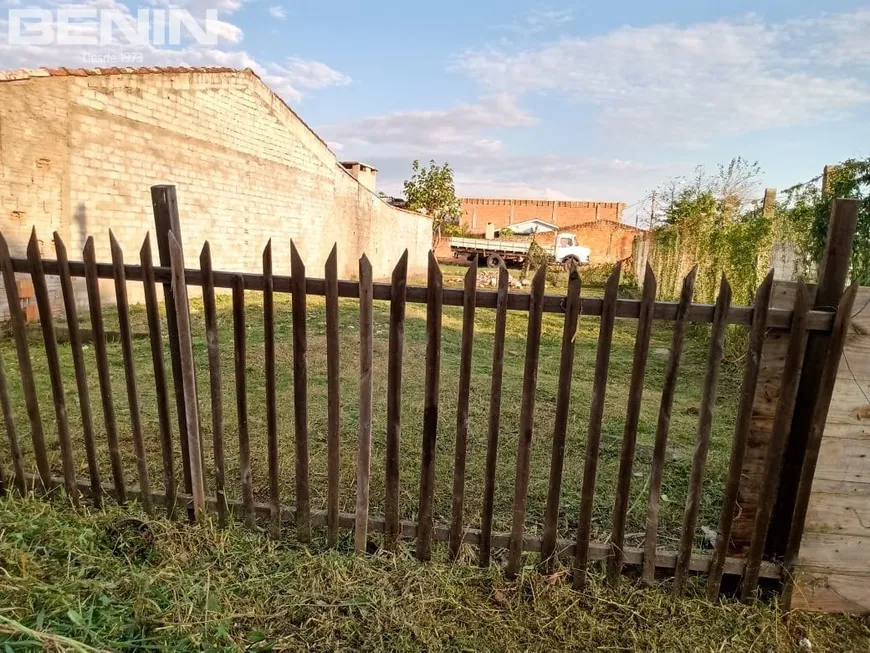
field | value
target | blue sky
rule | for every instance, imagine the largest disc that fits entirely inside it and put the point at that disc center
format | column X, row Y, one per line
column 584, row 100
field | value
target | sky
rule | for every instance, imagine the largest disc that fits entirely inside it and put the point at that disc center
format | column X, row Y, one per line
column 586, row 100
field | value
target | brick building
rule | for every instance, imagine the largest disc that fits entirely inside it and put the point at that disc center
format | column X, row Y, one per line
column 477, row 211
column 597, row 225
column 608, row 241
column 80, row 149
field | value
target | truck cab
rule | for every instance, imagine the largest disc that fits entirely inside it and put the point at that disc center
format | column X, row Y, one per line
column 567, row 250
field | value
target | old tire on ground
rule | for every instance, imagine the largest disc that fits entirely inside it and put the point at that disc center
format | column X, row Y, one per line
column 494, row 260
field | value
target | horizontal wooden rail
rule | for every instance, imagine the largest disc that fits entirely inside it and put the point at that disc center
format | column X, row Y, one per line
column 626, row 308
column 665, row 560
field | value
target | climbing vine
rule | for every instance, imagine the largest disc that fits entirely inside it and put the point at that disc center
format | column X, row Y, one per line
column 806, row 210
column 712, row 221
column 717, row 222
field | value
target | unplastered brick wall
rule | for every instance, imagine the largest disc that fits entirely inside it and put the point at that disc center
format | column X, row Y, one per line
column 608, row 241
column 80, row 151
column 477, row 212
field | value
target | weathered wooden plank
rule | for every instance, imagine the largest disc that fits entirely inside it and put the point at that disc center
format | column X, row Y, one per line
column 75, row 345
column 527, row 423
column 560, row 428
column 394, row 401
column 763, row 413
column 781, row 424
column 741, row 432
column 162, row 398
column 214, row 381
column 271, row 398
column 830, row 592
column 25, row 369
column 702, row 438
column 819, row 320
column 130, row 370
column 102, row 359
column 814, row 440
column 364, row 442
column 188, row 375
column 834, row 553
column 494, row 417
column 300, row 393
column 55, row 375
column 632, row 419
column 593, row 437
column 12, row 433
column 240, row 359
column 430, row 409
column 845, row 511
column 833, row 272
column 458, row 504
column 164, row 205
column 851, row 419
column 845, row 459
column 333, row 397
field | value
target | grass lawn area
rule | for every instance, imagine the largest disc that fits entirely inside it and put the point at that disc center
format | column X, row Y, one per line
column 681, row 439
column 107, row 581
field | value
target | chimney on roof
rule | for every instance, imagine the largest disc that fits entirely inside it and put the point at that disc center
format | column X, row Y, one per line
column 364, row 173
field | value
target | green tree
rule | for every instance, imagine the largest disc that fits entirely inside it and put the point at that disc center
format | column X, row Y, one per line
column 431, row 191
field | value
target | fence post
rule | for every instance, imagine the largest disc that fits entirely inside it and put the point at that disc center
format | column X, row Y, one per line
column 165, row 206
column 188, row 371
column 831, row 280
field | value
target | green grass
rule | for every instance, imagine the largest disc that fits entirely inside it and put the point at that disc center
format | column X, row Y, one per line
column 118, row 580
column 681, row 439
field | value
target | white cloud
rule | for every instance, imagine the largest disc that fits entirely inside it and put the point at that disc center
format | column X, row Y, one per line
column 308, row 75
column 555, row 177
column 461, row 129
column 539, row 20
column 292, row 79
column 227, row 31
column 277, row 12
column 694, row 83
column 463, row 136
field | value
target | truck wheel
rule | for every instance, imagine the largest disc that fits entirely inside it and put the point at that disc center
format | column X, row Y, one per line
column 494, row 261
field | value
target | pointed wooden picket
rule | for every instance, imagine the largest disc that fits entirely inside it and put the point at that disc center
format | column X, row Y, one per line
column 398, row 289
column 593, row 435
column 560, row 429
column 300, row 393
column 55, row 375
column 702, row 437
column 527, row 421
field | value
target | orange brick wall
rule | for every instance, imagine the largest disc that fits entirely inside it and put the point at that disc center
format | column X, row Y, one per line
column 609, row 241
column 476, row 212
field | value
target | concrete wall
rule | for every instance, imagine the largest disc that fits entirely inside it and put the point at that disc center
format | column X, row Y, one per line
column 80, row 152
column 476, row 212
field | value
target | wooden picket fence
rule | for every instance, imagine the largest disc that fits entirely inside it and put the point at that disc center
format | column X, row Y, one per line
column 808, row 322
